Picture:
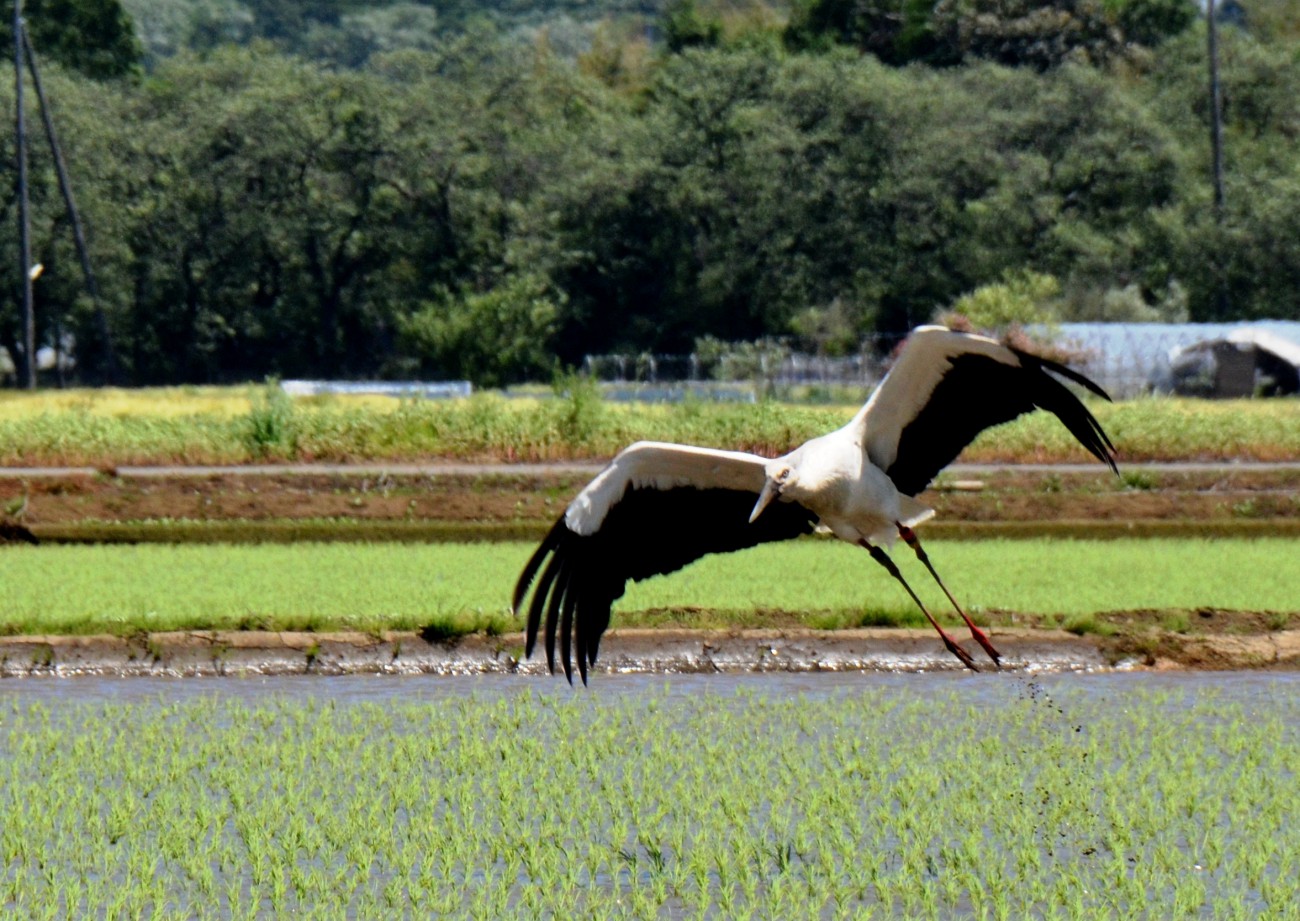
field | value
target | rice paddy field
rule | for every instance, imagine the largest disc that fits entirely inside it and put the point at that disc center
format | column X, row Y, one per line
column 125, row 589
column 110, row 427
column 854, row 796
column 850, row 796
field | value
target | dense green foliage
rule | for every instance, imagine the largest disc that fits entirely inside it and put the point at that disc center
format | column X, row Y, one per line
column 350, row 32
column 461, row 588
column 1084, row 799
column 490, row 204
column 94, row 37
column 1022, row 33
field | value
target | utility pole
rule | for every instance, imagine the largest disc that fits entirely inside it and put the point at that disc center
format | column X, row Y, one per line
column 24, row 219
column 1216, row 150
column 1216, row 106
column 78, row 232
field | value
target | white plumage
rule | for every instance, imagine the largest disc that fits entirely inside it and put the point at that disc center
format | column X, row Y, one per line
column 658, row 507
column 659, row 466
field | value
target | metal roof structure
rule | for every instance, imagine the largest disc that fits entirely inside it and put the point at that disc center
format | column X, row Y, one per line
column 1129, row 359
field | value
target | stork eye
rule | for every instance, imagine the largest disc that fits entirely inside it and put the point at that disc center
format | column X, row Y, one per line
column 783, row 475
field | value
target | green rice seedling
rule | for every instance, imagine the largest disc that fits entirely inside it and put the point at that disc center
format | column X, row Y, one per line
column 450, row 589
column 1137, row 479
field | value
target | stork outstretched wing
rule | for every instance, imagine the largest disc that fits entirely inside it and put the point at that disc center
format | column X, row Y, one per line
column 653, row 510
column 946, row 387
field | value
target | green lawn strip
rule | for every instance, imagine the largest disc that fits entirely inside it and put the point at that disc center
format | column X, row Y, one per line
column 490, row 427
column 1124, row 801
column 126, row 589
column 1065, row 577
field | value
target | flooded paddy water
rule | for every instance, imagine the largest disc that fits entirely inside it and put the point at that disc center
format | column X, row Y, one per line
column 851, row 795
column 985, row 689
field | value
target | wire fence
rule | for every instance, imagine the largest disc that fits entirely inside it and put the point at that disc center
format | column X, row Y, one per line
column 747, row 368
column 1132, row 359
column 1126, row 359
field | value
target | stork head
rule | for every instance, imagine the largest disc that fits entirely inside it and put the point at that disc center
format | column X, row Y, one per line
column 778, row 475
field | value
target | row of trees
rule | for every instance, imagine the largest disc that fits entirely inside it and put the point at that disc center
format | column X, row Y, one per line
column 349, row 32
column 487, row 209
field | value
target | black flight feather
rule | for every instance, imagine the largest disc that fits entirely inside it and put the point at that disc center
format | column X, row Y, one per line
column 543, row 590
column 647, row 532
column 530, row 570
column 553, row 608
column 978, row 392
column 566, row 625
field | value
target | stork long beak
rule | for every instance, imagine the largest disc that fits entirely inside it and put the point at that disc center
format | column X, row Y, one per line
column 770, row 491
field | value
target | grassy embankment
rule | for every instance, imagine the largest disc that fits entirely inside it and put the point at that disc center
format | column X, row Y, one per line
column 457, row 588
column 857, row 804
column 239, row 425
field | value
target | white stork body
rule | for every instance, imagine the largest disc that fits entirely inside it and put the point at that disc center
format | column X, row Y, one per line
column 658, row 507
column 853, row 498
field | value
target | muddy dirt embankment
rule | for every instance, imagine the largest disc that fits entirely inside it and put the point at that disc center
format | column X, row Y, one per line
column 489, row 503
column 234, row 653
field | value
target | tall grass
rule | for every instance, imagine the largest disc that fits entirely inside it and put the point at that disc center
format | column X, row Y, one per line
column 1160, row 429
column 253, row 423
column 126, row 589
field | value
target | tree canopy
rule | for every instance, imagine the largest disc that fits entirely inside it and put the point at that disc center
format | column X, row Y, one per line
column 492, row 205
column 1041, row 34
column 94, row 37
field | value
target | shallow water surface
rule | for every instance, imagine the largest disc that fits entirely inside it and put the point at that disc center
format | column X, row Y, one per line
column 980, row 690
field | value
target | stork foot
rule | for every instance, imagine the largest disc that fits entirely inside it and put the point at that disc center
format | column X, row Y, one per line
column 982, row 638
column 960, row 653
column 883, row 559
column 909, row 537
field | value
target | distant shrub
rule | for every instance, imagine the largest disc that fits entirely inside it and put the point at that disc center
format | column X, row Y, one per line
column 271, row 428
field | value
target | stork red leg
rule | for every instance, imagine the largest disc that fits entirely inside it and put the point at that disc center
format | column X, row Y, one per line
column 883, row 559
column 909, row 537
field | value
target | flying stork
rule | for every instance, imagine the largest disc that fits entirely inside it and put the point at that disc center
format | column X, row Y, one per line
column 658, row 507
